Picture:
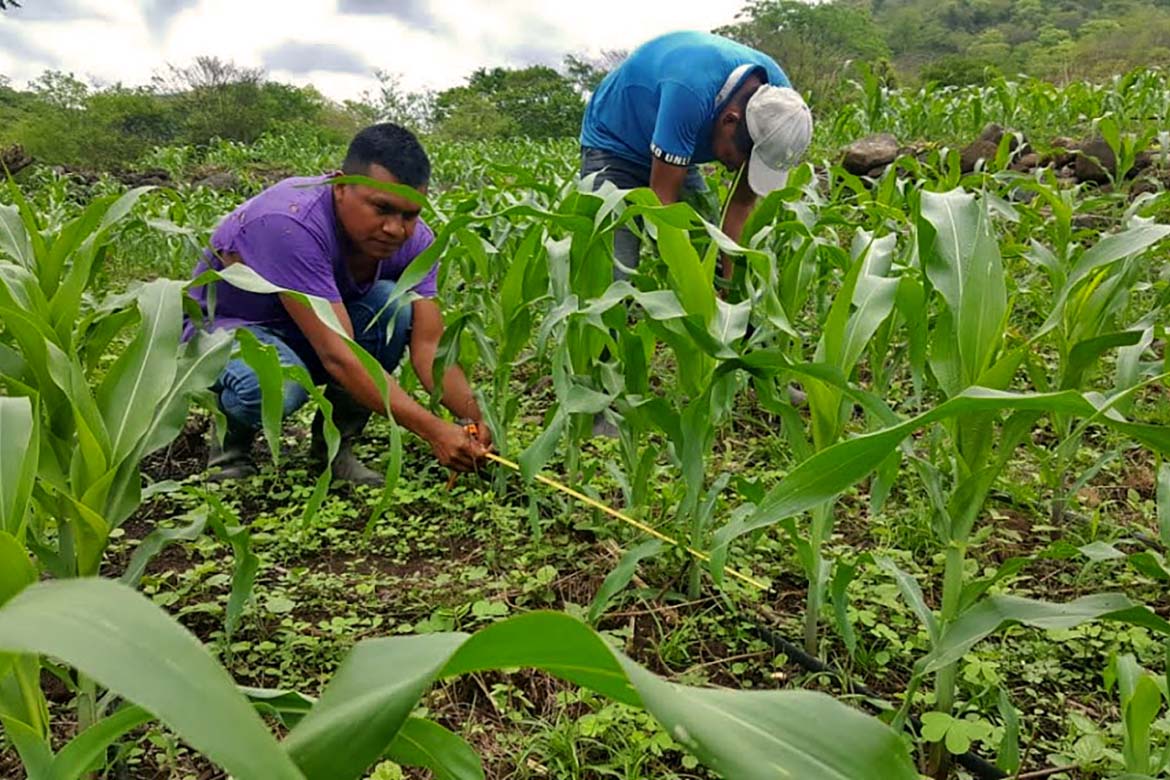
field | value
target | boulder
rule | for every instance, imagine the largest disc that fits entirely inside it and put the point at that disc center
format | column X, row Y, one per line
column 1095, row 162
column 155, row 177
column 14, row 159
column 224, row 181
column 1064, row 152
column 1143, row 186
column 1026, row 162
column 866, row 154
column 982, row 149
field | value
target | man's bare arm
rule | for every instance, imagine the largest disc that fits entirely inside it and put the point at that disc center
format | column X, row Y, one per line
column 450, row 444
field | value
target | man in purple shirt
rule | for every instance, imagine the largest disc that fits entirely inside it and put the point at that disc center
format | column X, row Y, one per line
column 347, row 244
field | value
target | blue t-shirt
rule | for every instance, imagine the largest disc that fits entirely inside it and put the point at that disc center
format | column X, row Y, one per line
column 664, row 99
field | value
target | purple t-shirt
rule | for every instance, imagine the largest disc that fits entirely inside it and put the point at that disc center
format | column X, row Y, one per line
column 289, row 235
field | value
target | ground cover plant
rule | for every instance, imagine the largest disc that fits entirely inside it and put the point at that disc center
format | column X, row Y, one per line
column 928, row 418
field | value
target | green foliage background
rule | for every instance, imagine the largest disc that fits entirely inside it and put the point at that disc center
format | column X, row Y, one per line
column 61, row 120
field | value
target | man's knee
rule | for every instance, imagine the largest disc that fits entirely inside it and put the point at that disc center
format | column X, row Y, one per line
column 241, row 399
column 382, row 324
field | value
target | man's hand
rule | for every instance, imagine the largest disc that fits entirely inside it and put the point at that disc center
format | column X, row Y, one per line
column 483, row 433
column 457, row 449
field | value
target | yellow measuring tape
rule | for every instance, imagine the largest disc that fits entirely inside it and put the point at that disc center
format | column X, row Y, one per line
column 702, row 556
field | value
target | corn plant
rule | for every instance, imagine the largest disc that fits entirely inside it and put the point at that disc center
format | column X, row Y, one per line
column 102, row 412
column 1142, row 697
column 961, row 261
column 864, row 301
column 132, row 647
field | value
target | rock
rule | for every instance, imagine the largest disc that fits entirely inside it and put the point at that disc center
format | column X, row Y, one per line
column 993, row 134
column 916, row 149
column 1095, row 162
column 1026, row 162
column 1142, row 186
column 1064, row 152
column 875, row 173
column 266, row 177
column 981, row 149
column 14, row 159
column 219, row 180
column 155, row 177
column 873, row 151
column 1142, row 160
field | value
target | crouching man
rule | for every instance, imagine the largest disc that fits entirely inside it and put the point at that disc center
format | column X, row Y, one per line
column 347, row 244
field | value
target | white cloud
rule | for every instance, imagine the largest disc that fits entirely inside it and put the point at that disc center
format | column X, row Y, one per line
column 432, row 43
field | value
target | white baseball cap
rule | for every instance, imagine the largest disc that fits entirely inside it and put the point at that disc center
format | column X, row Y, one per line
column 780, row 124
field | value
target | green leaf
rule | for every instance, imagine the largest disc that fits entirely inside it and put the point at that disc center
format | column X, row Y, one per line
column 1106, row 251
column 958, row 742
column 424, row 743
column 538, row 453
column 14, row 241
column 1164, row 502
column 78, row 757
column 228, row 528
column 133, row 648
column 830, row 471
column 962, row 260
column 996, row 611
column 749, row 735
column 695, row 290
column 620, row 577
column 18, row 461
column 843, row 575
column 202, row 360
column 34, row 751
column 912, row 594
column 158, row 540
column 16, row 571
column 141, row 377
column 1141, row 700
column 1085, row 354
column 264, row 360
column 935, row 726
column 1008, row 757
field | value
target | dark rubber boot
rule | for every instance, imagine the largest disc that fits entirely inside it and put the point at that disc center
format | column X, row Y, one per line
column 232, row 460
column 350, row 420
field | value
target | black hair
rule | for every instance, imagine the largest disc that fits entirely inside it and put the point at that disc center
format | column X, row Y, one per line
column 394, row 148
column 742, row 138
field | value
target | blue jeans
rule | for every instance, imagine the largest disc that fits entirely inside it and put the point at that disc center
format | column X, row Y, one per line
column 626, row 175
column 384, row 334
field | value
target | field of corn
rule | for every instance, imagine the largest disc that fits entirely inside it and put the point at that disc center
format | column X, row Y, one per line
column 910, row 465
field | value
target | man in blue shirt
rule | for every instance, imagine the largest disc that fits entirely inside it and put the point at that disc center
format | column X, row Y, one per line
column 686, row 98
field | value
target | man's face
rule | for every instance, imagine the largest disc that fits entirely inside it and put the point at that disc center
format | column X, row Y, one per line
column 378, row 223
column 723, row 140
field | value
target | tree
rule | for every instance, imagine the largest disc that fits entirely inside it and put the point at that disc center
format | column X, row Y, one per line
column 394, row 103
column 59, row 90
column 812, row 43
column 586, row 72
column 472, row 116
column 219, row 99
column 536, row 101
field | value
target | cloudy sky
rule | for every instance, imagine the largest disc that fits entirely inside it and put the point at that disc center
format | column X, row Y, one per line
column 333, row 44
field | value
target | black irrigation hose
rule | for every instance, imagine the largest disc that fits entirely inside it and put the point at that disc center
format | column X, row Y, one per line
column 973, row 763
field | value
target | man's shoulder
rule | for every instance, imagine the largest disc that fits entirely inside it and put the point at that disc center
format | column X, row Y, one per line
column 293, row 213
column 299, row 198
column 298, row 207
